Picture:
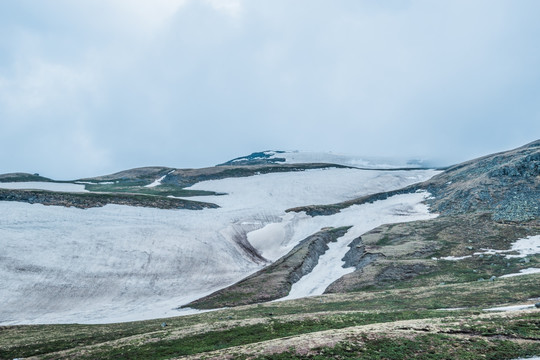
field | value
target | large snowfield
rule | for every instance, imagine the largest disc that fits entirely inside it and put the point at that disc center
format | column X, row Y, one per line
column 121, row 263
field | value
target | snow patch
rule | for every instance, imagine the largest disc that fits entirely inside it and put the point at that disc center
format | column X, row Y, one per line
column 511, row 308
column 523, row 272
column 524, row 247
column 157, row 182
column 454, row 258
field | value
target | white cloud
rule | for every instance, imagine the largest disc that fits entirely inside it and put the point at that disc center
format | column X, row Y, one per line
column 147, row 15
column 231, row 8
column 37, row 85
column 348, row 76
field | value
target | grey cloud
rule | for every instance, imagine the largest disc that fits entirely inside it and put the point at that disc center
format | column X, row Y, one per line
column 195, row 86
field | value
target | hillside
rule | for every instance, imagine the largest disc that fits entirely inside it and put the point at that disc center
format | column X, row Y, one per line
column 395, row 264
column 505, row 184
column 129, row 246
column 487, row 203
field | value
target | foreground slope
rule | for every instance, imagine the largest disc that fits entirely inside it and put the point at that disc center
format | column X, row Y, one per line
column 391, row 324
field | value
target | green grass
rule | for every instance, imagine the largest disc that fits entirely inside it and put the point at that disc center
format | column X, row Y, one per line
column 241, row 335
column 160, row 190
column 432, row 347
column 226, row 328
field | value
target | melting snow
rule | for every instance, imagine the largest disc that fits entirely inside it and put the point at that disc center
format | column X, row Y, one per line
column 158, row 181
column 524, row 247
column 523, row 272
column 399, row 208
column 511, row 308
column 120, row 263
column 454, row 258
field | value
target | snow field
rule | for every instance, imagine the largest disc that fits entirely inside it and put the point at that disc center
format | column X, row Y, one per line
column 120, row 263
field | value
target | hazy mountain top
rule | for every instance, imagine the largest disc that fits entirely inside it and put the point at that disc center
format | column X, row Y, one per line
column 505, row 184
column 304, row 157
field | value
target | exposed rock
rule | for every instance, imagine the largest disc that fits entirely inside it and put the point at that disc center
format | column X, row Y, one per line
column 274, row 281
column 505, row 184
column 357, row 256
column 256, row 158
column 88, row 200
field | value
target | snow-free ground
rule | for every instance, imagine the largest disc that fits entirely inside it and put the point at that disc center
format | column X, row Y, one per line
column 120, row 263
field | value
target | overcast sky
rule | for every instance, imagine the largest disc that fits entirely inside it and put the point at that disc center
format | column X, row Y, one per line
column 93, row 87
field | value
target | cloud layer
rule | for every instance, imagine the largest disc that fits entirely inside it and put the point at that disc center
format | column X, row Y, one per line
column 92, row 87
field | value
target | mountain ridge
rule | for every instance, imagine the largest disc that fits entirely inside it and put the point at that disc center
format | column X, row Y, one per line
column 416, row 289
column 494, row 193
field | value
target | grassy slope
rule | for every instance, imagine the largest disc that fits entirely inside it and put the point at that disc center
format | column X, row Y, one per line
column 371, row 321
column 407, row 251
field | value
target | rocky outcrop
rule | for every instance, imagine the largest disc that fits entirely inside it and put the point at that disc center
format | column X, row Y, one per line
column 257, row 158
column 274, row 281
column 357, row 256
column 505, row 184
column 88, row 200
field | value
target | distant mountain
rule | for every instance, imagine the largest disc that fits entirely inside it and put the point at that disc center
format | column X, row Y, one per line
column 20, row 177
column 301, row 157
column 505, row 184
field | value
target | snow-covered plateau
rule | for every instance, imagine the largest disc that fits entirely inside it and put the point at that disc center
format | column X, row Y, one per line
column 121, row 263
